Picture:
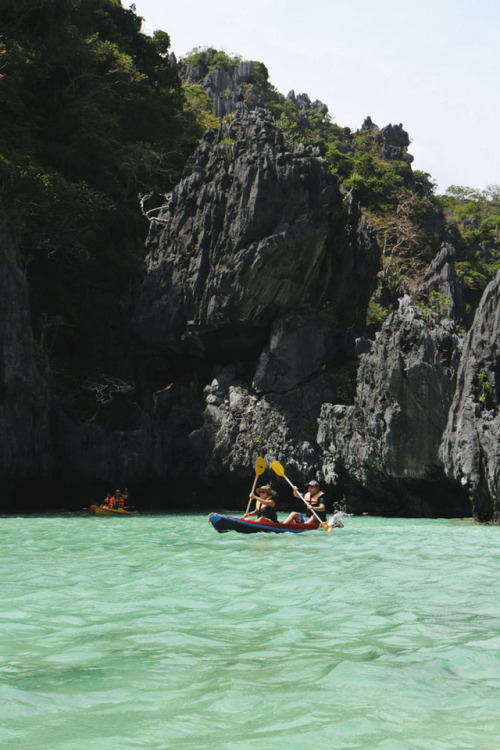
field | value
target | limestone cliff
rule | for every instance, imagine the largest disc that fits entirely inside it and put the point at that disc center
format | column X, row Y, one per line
column 252, row 232
column 257, row 249
column 471, row 443
column 253, row 294
column 383, row 452
column 25, row 441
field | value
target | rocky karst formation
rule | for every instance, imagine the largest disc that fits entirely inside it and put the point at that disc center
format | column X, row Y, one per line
column 384, row 450
column 25, row 445
column 229, row 90
column 257, row 248
column 274, row 411
column 441, row 289
column 394, row 141
column 253, row 297
column 471, row 443
column 252, row 232
column 257, row 260
column 422, row 437
column 257, row 254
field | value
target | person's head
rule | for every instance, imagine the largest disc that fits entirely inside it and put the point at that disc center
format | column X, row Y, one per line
column 117, row 492
column 312, row 486
column 266, row 491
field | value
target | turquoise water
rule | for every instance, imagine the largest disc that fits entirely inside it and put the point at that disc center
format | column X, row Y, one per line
column 157, row 632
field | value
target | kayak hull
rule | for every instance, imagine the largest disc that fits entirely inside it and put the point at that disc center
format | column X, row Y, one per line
column 222, row 523
column 97, row 510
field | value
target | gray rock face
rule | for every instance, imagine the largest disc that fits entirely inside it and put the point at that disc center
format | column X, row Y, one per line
column 386, row 446
column 240, row 424
column 394, row 141
column 441, row 288
column 25, row 440
column 299, row 347
column 228, row 271
column 276, row 414
column 471, row 444
column 257, row 248
column 252, row 232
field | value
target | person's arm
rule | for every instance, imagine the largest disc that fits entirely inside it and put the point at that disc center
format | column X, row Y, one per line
column 251, row 513
column 267, row 501
column 251, row 496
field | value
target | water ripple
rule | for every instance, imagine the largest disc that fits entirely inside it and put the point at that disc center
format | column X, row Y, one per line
column 156, row 632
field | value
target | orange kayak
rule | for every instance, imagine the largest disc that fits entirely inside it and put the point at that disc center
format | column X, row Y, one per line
column 98, row 510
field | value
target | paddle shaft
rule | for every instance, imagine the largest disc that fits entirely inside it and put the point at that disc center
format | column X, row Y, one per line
column 253, row 490
column 260, row 467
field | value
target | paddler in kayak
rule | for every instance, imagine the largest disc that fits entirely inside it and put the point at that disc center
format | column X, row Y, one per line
column 117, row 500
column 108, row 500
column 123, row 497
column 314, row 498
column 265, row 507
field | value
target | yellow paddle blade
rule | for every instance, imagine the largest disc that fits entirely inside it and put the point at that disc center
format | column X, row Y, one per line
column 278, row 469
column 260, row 466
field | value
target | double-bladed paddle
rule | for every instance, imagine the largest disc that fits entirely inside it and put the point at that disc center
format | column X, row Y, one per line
column 260, row 467
column 279, row 470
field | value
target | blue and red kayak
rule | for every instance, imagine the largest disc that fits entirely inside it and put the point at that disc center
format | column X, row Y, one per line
column 223, row 523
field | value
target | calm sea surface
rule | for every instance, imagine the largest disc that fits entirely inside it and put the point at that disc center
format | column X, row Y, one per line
column 156, row 632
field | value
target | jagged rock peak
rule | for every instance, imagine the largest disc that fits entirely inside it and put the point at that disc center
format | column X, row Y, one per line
column 394, row 141
column 304, row 104
column 231, row 83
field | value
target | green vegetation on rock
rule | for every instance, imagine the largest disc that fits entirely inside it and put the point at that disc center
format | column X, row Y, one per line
column 473, row 219
column 93, row 114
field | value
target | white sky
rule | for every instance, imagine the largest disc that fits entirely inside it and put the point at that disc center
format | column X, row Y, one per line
column 432, row 65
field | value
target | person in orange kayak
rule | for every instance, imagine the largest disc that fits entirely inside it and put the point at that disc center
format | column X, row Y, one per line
column 118, row 499
column 314, row 498
column 123, row 497
column 107, row 500
column 265, row 506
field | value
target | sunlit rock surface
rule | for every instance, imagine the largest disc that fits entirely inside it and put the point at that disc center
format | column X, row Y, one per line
column 471, row 444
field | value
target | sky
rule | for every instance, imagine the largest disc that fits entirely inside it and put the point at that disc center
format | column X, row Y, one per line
column 431, row 65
